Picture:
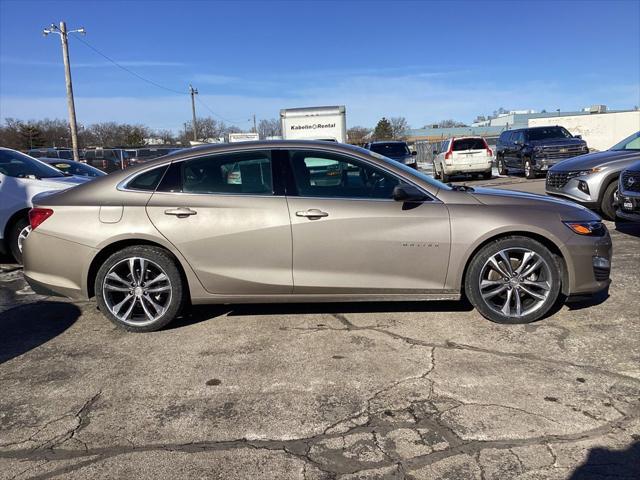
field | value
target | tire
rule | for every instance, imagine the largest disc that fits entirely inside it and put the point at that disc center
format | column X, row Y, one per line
column 445, row 177
column 436, row 175
column 19, row 230
column 487, row 175
column 529, row 172
column 502, row 169
column 169, row 293
column 607, row 208
column 491, row 298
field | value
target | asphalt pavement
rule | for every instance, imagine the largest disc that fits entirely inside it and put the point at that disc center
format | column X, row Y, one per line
column 318, row 391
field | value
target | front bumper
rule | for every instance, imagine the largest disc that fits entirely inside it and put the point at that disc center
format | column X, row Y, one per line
column 629, row 207
column 578, row 189
column 589, row 263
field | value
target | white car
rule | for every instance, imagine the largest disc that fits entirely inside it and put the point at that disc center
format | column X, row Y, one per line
column 21, row 178
column 462, row 156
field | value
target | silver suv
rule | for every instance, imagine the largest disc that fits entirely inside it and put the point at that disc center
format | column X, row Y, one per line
column 592, row 179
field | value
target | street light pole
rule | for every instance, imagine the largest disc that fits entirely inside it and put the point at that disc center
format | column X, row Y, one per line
column 63, row 32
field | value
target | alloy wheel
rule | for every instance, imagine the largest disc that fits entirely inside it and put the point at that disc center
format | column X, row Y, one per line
column 22, row 236
column 137, row 291
column 515, row 282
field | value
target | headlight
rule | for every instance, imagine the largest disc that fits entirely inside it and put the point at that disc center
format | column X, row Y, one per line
column 582, row 173
column 593, row 228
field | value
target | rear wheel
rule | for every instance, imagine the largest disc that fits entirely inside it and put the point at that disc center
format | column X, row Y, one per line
column 513, row 280
column 436, row 175
column 502, row 169
column 608, row 200
column 529, row 172
column 487, row 175
column 17, row 235
column 140, row 288
column 445, row 177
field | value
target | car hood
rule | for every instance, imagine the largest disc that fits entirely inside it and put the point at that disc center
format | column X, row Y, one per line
column 55, row 183
column 592, row 160
column 565, row 208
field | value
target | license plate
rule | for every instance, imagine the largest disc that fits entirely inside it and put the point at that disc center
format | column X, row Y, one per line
column 627, row 206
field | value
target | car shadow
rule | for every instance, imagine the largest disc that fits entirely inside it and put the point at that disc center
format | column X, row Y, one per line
column 606, row 463
column 29, row 326
column 588, row 301
column 201, row 313
column 628, row 228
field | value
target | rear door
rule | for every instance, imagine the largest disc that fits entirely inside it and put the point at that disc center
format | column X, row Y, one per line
column 351, row 237
column 221, row 213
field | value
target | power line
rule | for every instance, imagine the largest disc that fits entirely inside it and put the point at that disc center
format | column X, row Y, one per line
column 216, row 115
column 126, row 69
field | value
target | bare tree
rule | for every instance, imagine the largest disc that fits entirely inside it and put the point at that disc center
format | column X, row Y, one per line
column 357, row 135
column 399, row 126
column 269, row 128
column 447, row 124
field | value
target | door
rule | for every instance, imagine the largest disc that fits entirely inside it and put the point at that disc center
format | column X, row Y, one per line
column 350, row 236
column 515, row 149
column 221, row 213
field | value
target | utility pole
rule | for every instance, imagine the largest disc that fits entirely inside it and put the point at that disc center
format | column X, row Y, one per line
column 194, row 92
column 63, row 32
column 255, row 130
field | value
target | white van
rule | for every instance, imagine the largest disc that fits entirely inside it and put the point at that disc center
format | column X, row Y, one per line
column 462, row 155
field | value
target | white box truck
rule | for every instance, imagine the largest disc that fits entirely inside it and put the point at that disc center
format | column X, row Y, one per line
column 243, row 137
column 314, row 123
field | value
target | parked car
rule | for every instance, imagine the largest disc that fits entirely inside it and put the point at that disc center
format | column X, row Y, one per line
column 52, row 152
column 398, row 151
column 592, row 180
column 140, row 155
column 71, row 167
column 629, row 196
column 147, row 241
column 107, row 159
column 535, row 150
column 22, row 177
column 462, row 155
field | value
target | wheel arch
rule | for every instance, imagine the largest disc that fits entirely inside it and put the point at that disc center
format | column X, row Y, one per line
column 111, row 248
column 22, row 213
column 550, row 244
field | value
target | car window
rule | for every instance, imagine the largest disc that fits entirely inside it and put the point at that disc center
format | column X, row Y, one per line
column 518, row 137
column 19, row 165
column 469, row 144
column 324, row 174
column 147, row 181
column 632, row 142
column 391, row 149
column 239, row 173
column 66, row 154
column 544, row 133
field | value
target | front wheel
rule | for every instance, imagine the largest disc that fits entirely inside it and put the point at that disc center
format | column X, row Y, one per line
column 502, row 169
column 17, row 235
column 529, row 172
column 513, row 280
column 607, row 206
column 140, row 288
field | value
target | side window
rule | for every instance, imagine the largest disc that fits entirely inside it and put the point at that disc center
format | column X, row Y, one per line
column 240, row 173
column 89, row 155
column 147, row 181
column 329, row 175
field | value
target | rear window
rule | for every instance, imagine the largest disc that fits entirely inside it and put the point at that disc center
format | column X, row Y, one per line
column 147, row 181
column 469, row 144
column 390, row 149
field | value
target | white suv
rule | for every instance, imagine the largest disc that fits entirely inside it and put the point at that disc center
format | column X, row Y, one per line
column 21, row 178
column 462, row 155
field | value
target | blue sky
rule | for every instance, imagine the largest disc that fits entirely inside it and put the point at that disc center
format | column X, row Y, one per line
column 425, row 60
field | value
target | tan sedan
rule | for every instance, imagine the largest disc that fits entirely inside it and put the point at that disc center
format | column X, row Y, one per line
column 296, row 221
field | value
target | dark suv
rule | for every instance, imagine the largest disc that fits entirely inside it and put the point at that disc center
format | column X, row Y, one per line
column 107, row 159
column 536, row 149
column 395, row 150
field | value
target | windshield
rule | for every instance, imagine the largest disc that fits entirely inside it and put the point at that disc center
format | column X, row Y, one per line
column 469, row 144
column 78, row 168
column 410, row 170
column 19, row 165
column 66, row 154
column 390, row 149
column 632, row 142
column 548, row 132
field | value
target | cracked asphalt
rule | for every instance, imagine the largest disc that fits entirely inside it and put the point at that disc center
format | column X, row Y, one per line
column 346, row 391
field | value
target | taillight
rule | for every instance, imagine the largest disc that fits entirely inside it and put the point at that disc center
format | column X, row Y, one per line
column 489, row 151
column 38, row 215
column 447, row 155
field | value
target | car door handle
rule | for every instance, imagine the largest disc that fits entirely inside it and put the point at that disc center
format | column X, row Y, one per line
column 181, row 212
column 312, row 213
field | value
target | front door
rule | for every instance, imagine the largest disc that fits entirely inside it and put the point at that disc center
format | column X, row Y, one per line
column 350, row 236
column 221, row 213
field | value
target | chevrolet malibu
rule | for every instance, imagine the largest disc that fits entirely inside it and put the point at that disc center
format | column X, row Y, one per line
column 296, row 221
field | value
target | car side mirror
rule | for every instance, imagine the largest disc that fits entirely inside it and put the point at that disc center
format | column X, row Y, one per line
column 414, row 153
column 578, row 136
column 408, row 193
